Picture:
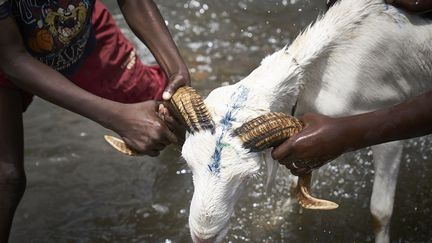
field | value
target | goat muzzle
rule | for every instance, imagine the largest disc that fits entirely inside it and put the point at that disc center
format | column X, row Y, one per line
column 271, row 130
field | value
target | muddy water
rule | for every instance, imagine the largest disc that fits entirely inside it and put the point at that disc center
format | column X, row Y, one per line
column 79, row 190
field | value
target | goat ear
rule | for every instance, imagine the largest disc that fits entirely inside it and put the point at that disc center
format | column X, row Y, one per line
column 188, row 106
column 272, row 168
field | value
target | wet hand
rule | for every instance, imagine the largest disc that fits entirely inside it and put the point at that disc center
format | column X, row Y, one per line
column 142, row 129
column 417, row 6
column 173, row 124
column 176, row 81
column 319, row 142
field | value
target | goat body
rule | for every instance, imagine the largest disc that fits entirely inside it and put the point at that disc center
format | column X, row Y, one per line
column 360, row 56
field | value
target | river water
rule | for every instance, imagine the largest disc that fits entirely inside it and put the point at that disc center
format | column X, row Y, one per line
column 80, row 190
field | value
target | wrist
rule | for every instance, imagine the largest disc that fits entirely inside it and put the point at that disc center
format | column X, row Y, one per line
column 181, row 72
column 108, row 115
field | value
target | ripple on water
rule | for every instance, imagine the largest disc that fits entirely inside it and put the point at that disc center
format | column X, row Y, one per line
column 81, row 191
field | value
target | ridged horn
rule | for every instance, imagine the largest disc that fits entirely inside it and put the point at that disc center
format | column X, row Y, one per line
column 190, row 108
column 266, row 131
column 120, row 145
column 306, row 200
column 271, row 130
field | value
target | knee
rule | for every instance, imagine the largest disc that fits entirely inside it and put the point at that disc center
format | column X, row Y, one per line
column 382, row 210
column 381, row 215
column 12, row 177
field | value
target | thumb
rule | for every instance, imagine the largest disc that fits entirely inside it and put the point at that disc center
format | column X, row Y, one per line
column 172, row 86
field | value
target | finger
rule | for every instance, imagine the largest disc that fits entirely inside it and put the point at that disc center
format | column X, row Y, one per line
column 301, row 171
column 174, row 125
column 166, row 136
column 153, row 153
column 178, row 130
column 283, row 151
column 291, row 166
column 158, row 146
column 161, row 108
column 161, row 133
column 173, row 85
column 171, row 136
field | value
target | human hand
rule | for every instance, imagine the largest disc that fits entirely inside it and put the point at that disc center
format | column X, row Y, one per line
column 142, row 128
column 321, row 140
column 173, row 123
column 176, row 81
column 417, row 6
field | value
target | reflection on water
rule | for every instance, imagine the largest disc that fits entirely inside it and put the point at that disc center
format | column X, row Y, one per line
column 80, row 190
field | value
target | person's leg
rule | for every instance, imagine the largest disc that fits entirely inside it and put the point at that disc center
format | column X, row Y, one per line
column 12, row 176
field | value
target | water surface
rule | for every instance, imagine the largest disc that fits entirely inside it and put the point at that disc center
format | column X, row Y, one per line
column 80, row 190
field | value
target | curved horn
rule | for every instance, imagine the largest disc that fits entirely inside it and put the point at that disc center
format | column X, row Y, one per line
column 267, row 131
column 120, row 145
column 188, row 106
column 306, row 200
column 271, row 130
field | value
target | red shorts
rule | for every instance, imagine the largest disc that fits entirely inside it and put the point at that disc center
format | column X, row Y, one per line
column 112, row 70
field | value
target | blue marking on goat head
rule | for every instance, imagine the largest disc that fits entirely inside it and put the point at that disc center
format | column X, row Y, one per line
column 238, row 98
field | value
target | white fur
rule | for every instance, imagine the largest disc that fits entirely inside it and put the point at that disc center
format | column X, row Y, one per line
column 360, row 56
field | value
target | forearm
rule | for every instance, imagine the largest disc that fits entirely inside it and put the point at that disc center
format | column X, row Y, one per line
column 418, row 6
column 39, row 79
column 409, row 119
column 146, row 22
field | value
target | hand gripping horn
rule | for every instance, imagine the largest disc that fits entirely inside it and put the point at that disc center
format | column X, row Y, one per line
column 188, row 106
column 271, row 130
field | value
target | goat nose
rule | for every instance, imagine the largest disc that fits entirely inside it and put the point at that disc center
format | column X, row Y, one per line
column 198, row 240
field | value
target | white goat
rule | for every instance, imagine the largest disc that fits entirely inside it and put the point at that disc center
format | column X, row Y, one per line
column 360, row 56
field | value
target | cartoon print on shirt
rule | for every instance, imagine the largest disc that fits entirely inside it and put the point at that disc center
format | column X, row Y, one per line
column 66, row 23
column 58, row 26
column 56, row 31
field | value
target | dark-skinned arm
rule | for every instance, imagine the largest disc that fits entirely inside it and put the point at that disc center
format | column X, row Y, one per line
column 145, row 20
column 415, row 6
column 138, row 124
column 325, row 138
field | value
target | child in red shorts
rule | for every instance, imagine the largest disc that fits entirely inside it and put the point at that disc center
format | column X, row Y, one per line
column 71, row 53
